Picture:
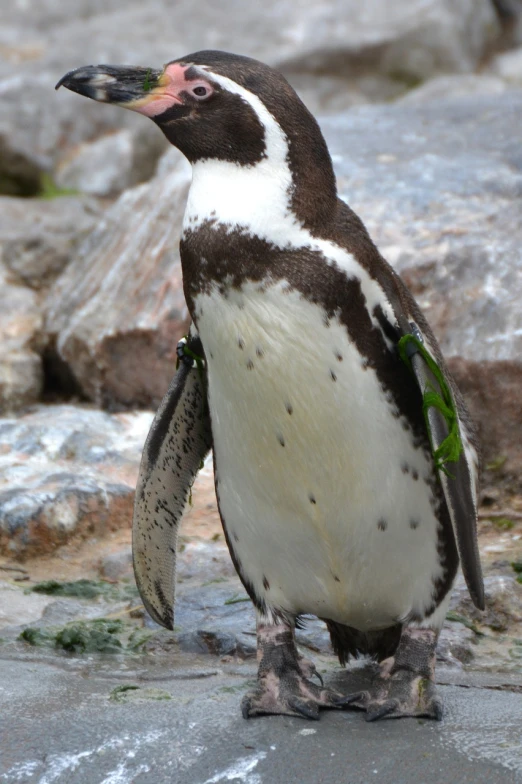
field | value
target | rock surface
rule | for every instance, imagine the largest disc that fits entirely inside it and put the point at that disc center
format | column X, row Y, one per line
column 372, row 51
column 112, row 163
column 117, row 314
column 66, row 472
column 38, row 237
column 21, row 323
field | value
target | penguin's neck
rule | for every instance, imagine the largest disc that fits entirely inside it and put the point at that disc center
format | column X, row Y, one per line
column 290, row 191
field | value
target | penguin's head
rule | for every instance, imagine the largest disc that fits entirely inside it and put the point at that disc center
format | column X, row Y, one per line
column 219, row 106
column 208, row 104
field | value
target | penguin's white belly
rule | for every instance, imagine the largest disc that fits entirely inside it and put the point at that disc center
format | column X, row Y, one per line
column 320, row 487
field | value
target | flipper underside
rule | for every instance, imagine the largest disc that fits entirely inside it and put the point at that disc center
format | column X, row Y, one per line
column 178, row 441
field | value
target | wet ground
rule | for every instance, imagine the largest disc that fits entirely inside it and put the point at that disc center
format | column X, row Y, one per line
column 76, row 724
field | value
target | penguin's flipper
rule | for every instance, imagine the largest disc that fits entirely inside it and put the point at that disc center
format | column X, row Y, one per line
column 454, row 468
column 177, row 443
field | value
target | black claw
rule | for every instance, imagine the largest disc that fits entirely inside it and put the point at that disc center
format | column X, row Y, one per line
column 343, row 702
column 389, row 707
column 306, row 709
column 245, row 707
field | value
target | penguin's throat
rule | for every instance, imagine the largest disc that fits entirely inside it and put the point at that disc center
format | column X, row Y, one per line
column 253, row 199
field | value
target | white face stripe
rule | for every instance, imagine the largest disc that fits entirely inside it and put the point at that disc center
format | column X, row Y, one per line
column 257, row 200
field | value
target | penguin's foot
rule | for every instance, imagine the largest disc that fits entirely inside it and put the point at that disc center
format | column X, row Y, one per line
column 405, row 684
column 284, row 685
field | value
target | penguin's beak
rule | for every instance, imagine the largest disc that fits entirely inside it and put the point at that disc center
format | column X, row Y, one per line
column 132, row 87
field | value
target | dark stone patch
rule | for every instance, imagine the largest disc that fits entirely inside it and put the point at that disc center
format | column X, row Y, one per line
column 382, row 525
column 333, row 376
column 266, row 584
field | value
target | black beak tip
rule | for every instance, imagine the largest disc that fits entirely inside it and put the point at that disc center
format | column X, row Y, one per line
column 67, row 78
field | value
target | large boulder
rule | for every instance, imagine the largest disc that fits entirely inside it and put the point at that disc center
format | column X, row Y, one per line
column 117, row 313
column 439, row 186
column 37, row 240
column 364, row 51
column 21, row 339
column 38, row 237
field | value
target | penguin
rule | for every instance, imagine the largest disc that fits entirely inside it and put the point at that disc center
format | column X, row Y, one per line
column 346, row 463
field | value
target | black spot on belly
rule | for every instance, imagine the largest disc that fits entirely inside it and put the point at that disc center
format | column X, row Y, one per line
column 241, row 343
column 414, row 524
column 405, row 467
column 415, row 474
column 250, row 364
column 260, row 352
column 333, row 376
column 382, row 525
column 289, row 408
column 311, row 498
column 236, row 537
column 338, row 356
column 336, row 578
column 266, row 584
column 281, row 439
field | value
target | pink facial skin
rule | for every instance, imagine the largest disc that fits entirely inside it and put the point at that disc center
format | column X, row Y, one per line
column 168, row 93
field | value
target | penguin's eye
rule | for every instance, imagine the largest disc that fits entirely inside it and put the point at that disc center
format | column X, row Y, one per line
column 200, row 91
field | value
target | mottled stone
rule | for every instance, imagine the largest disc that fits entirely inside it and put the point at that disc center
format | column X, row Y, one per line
column 371, row 51
column 117, row 565
column 503, row 603
column 112, row 163
column 117, row 314
column 21, row 338
column 66, row 472
column 38, row 237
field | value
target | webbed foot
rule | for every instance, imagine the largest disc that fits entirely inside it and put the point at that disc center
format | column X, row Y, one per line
column 405, row 683
column 283, row 681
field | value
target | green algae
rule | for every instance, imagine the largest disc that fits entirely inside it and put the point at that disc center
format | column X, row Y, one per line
column 101, row 635
column 87, row 589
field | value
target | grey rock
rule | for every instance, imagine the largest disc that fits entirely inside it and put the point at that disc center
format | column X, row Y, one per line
column 403, row 41
column 503, row 603
column 117, row 313
column 38, row 237
column 17, row 606
column 204, row 561
column 65, row 472
column 456, row 645
column 508, row 66
column 112, row 163
column 21, row 323
column 454, row 86
column 117, row 565
column 216, row 643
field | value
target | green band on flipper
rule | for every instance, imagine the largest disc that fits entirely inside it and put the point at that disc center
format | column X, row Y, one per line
column 451, row 447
